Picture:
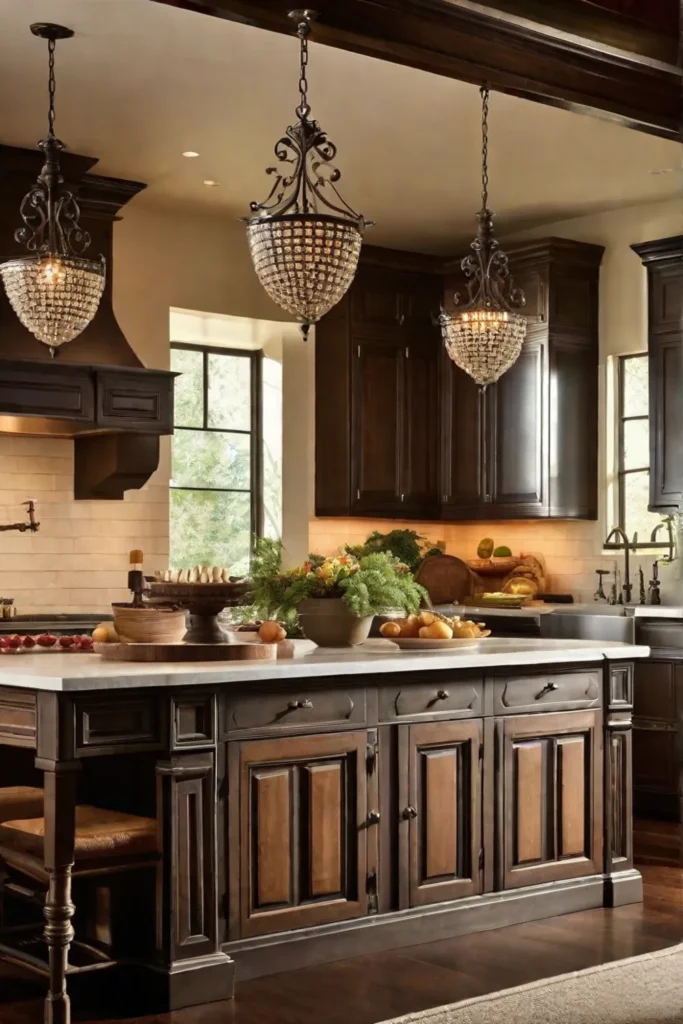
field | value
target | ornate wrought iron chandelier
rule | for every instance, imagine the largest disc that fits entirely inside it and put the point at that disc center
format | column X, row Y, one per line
column 54, row 292
column 305, row 240
column 485, row 334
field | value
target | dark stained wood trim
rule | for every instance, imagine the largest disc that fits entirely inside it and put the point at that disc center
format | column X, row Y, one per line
column 459, row 39
column 255, row 958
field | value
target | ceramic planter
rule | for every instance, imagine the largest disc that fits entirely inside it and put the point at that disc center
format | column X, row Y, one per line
column 329, row 623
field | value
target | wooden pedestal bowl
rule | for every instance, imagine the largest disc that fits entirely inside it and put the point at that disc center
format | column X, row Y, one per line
column 204, row 602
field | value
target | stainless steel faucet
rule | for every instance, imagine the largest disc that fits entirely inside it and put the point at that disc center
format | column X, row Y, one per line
column 666, row 524
column 628, row 585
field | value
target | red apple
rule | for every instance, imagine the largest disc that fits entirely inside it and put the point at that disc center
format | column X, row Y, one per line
column 28, row 641
column 46, row 640
column 67, row 641
column 85, row 643
column 14, row 642
column 4, row 643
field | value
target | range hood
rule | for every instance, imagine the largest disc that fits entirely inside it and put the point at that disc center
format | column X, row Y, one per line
column 96, row 390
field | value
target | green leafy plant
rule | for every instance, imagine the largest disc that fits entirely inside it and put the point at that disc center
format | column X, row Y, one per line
column 408, row 546
column 368, row 585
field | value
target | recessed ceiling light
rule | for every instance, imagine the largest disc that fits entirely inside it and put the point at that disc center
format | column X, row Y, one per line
column 211, row 183
column 190, row 153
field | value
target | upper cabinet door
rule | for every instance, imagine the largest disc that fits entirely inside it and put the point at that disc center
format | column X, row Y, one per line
column 420, row 414
column 534, row 283
column 666, row 313
column 377, row 419
column 462, row 483
column 666, row 421
column 377, row 300
column 302, row 831
column 517, row 433
column 421, row 302
column 550, row 797
column 440, row 824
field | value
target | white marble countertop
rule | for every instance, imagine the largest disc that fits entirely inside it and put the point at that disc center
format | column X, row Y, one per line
column 82, row 672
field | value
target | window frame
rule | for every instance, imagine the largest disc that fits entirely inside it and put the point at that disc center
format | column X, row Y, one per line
column 255, row 432
column 622, row 472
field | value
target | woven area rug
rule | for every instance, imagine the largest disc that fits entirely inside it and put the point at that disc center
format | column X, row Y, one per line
column 645, row 989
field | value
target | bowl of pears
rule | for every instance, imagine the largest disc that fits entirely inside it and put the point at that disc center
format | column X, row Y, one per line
column 430, row 631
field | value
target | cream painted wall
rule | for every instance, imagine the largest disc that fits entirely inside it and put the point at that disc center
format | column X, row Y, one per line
column 167, row 259
column 572, row 550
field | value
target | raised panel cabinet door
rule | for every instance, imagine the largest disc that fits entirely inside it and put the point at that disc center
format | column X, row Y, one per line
column 462, row 480
column 303, row 821
column 440, row 825
column 421, row 301
column 420, row 453
column 573, row 454
column 376, row 299
column 549, row 805
column 534, row 283
column 517, row 432
column 666, row 421
column 377, row 417
column 667, row 298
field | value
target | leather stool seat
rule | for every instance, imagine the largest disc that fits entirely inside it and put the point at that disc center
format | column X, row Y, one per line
column 103, row 838
column 20, row 802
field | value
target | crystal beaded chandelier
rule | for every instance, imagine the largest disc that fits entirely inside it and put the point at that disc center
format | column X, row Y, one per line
column 54, row 291
column 305, row 240
column 485, row 334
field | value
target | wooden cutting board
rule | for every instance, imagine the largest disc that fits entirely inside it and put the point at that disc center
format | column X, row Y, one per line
column 446, row 579
column 187, row 652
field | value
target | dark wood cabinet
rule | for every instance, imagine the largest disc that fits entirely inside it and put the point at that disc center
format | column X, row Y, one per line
column 303, row 824
column 664, row 262
column 526, row 448
column 440, row 821
column 549, row 797
column 402, row 432
column 377, row 352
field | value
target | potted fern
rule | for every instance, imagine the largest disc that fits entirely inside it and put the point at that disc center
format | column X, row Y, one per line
column 337, row 598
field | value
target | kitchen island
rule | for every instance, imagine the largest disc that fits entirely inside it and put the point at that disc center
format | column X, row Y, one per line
column 325, row 806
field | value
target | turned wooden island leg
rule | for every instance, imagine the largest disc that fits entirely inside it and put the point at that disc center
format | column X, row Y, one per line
column 60, row 807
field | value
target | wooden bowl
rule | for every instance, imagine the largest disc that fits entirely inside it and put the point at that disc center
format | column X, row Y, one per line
column 149, row 625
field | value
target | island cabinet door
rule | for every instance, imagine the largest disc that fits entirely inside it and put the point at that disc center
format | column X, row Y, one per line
column 302, row 831
column 440, row 811
column 549, row 797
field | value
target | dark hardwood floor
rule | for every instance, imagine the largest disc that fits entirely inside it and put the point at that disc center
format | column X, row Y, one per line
column 374, row 988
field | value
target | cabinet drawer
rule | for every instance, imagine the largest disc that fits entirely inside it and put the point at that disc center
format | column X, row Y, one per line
column 541, row 691
column 134, row 400
column 110, row 725
column 296, row 709
column 17, row 718
column 447, row 699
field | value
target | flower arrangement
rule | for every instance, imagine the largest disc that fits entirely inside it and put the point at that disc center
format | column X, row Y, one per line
column 368, row 585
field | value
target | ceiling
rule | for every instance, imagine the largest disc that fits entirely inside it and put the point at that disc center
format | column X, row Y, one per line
column 141, row 82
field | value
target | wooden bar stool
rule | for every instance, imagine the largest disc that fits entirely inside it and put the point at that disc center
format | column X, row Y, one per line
column 20, row 802
column 107, row 844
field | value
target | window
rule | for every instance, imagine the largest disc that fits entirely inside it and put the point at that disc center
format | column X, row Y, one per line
column 216, row 475
column 634, row 453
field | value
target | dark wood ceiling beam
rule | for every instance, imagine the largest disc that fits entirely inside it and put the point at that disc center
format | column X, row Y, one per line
column 461, row 39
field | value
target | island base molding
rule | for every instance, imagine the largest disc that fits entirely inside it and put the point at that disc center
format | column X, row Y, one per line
column 206, row 979
column 290, row 951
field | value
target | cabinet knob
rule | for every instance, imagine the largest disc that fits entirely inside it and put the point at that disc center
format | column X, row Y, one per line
column 548, row 688
column 409, row 812
column 295, row 705
column 401, row 319
column 373, row 817
column 442, row 695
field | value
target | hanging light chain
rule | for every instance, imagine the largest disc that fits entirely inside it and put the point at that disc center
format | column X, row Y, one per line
column 484, row 147
column 51, row 88
column 303, row 31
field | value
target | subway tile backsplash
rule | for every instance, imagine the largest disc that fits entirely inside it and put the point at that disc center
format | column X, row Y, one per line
column 78, row 560
column 571, row 550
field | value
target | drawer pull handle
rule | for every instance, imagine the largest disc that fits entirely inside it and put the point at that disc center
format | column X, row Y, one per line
column 548, row 688
column 409, row 812
column 373, row 817
column 295, row 705
column 443, row 695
